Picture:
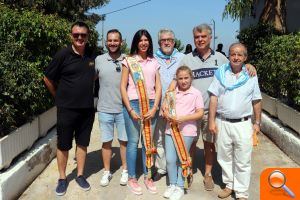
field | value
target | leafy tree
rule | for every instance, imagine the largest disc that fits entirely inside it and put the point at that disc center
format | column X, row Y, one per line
column 178, row 45
column 70, row 9
column 124, row 48
column 274, row 11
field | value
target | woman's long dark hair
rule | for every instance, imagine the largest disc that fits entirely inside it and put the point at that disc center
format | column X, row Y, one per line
column 136, row 39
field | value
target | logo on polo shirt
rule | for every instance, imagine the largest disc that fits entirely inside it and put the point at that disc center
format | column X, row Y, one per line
column 204, row 73
column 91, row 64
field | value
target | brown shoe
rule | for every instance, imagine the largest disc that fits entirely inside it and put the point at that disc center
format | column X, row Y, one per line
column 208, row 182
column 226, row 192
column 242, row 198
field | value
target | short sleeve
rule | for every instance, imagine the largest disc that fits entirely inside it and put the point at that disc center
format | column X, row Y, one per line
column 97, row 65
column 214, row 87
column 156, row 64
column 256, row 92
column 53, row 70
column 199, row 101
column 124, row 63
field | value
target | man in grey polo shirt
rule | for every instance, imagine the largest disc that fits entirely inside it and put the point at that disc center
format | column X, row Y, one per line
column 108, row 69
column 168, row 58
column 203, row 61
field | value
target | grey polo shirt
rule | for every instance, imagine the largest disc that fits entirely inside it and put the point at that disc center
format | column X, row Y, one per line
column 110, row 100
column 203, row 70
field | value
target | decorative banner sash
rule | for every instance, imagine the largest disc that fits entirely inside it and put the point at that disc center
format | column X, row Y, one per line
column 139, row 81
column 182, row 152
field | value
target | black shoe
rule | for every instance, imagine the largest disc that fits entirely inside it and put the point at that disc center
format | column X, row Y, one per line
column 83, row 183
column 157, row 176
column 61, row 187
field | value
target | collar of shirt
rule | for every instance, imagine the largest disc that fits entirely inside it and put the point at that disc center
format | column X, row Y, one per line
column 195, row 53
column 118, row 59
column 140, row 59
column 189, row 91
column 164, row 62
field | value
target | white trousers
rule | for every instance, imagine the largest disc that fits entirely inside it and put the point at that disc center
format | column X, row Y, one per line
column 234, row 147
column 159, row 140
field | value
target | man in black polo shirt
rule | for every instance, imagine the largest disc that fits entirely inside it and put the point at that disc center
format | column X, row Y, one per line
column 70, row 78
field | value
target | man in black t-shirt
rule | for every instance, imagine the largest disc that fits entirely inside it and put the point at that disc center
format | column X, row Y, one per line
column 70, row 78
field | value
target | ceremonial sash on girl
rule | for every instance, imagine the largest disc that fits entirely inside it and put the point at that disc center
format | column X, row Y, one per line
column 182, row 152
column 139, row 81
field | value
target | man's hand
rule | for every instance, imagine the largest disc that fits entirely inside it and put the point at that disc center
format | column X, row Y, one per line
column 251, row 70
column 256, row 128
column 212, row 127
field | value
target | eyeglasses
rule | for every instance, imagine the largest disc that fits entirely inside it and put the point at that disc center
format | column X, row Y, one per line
column 76, row 35
column 118, row 68
column 167, row 40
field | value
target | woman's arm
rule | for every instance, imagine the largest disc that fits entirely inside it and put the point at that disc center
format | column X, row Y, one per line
column 153, row 110
column 123, row 86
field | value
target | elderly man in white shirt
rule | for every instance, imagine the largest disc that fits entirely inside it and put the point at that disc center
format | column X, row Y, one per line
column 234, row 97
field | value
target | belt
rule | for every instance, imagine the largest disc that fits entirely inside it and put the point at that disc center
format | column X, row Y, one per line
column 233, row 120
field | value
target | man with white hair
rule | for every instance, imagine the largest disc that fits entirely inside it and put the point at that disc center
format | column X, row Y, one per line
column 168, row 58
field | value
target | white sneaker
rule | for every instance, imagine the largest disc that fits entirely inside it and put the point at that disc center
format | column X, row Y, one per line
column 169, row 191
column 124, row 177
column 177, row 194
column 106, row 177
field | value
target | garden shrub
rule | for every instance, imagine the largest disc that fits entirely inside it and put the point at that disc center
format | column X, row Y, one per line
column 28, row 41
column 277, row 58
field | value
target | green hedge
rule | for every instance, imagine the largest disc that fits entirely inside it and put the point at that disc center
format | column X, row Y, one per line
column 277, row 58
column 28, row 41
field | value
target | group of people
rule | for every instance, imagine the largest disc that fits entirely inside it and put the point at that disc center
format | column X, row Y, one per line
column 214, row 97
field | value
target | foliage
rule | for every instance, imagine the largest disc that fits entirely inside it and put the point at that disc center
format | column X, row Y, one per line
column 124, row 48
column 238, row 9
column 279, row 68
column 254, row 37
column 178, row 45
column 277, row 58
column 71, row 10
column 28, row 41
column 274, row 11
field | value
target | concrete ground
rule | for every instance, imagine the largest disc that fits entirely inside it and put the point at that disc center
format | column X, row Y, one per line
column 264, row 156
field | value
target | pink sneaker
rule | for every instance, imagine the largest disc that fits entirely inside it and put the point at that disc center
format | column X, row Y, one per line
column 150, row 185
column 134, row 186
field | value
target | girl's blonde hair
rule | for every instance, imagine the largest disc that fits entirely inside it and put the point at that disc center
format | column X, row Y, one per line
column 184, row 68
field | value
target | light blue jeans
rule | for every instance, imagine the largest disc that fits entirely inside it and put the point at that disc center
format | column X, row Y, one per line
column 133, row 135
column 173, row 163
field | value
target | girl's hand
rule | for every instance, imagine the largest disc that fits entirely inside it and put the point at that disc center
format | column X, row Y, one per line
column 134, row 115
column 150, row 114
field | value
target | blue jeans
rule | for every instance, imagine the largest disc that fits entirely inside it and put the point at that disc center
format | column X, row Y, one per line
column 133, row 135
column 173, row 163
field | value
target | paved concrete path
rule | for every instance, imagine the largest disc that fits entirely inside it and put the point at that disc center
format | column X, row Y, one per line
column 264, row 156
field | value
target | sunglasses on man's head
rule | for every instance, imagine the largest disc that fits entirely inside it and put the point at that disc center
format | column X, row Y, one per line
column 76, row 35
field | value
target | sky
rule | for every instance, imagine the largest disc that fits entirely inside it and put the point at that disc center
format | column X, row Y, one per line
column 179, row 15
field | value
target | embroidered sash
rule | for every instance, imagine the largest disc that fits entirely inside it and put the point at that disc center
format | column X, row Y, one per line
column 139, row 81
column 182, row 152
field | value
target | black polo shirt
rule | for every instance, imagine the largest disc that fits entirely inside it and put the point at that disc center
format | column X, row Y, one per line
column 74, row 75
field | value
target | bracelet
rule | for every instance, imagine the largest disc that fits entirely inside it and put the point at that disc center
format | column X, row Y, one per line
column 129, row 111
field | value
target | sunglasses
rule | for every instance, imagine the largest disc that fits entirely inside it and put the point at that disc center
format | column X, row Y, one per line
column 76, row 35
column 118, row 68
